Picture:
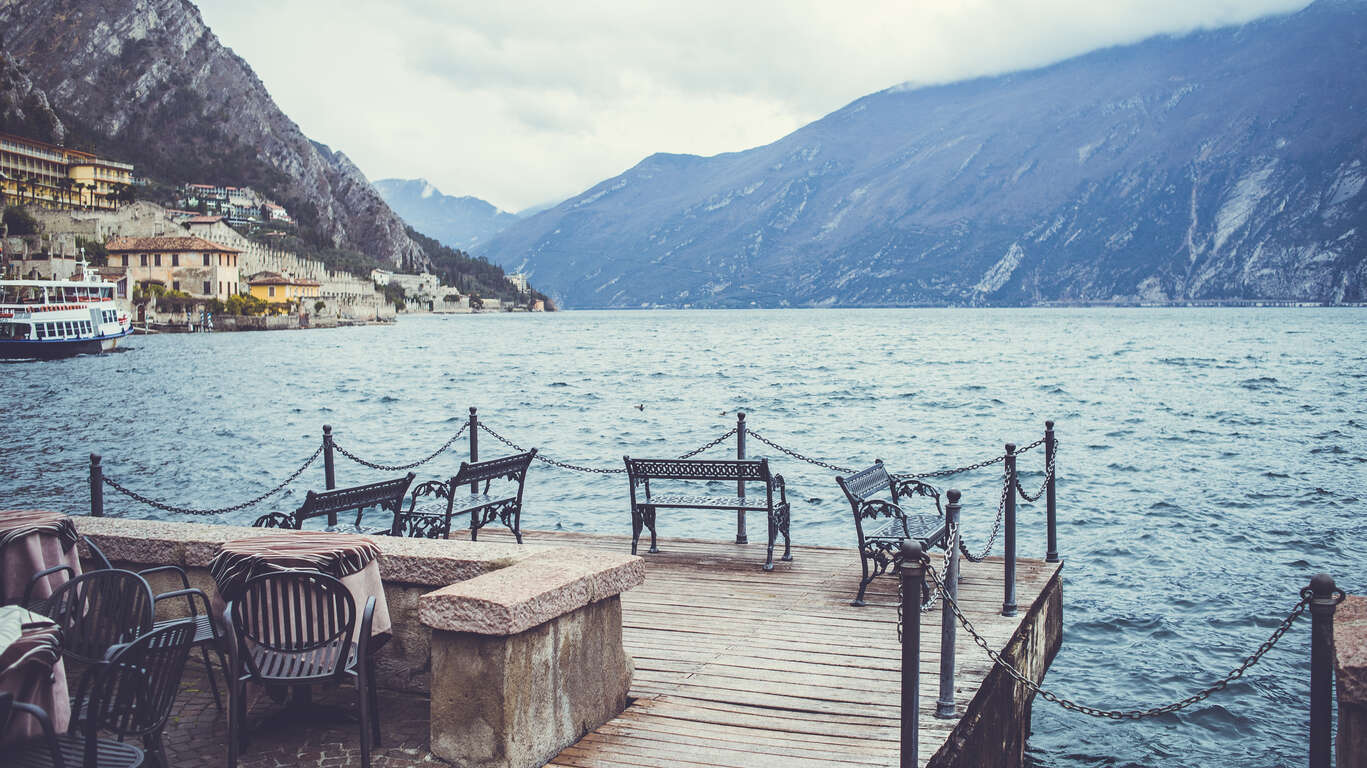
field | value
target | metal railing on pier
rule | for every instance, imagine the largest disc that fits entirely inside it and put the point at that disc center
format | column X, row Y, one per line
column 472, row 427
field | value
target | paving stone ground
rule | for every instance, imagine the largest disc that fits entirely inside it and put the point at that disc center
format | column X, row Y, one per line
column 196, row 735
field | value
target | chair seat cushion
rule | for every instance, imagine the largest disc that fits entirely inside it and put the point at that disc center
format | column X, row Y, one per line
column 477, row 500
column 204, row 627
column 109, row 754
column 916, row 527
column 284, row 666
column 707, row 502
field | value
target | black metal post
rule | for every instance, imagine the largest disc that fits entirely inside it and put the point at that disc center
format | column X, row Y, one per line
column 1009, row 535
column 949, row 627
column 329, row 467
column 1050, row 510
column 741, row 538
column 474, row 444
column 96, row 486
column 912, row 575
column 329, row 470
column 1322, row 604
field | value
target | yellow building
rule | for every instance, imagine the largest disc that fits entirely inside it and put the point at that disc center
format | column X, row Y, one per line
column 194, row 265
column 58, row 177
column 276, row 288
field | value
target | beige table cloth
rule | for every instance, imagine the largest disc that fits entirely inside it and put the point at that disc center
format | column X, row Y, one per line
column 31, row 540
column 350, row 558
column 31, row 668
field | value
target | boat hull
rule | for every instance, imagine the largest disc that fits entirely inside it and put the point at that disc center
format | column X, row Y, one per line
column 43, row 349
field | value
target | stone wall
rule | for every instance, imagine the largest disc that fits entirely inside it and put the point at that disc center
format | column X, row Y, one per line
column 998, row 718
column 1350, row 650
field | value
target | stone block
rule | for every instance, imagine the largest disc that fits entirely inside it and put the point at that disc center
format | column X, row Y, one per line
column 1350, row 651
column 515, row 701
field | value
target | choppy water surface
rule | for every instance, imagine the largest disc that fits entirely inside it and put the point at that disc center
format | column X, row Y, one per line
column 1210, row 461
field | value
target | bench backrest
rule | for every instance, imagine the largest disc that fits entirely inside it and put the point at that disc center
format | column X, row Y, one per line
column 866, row 484
column 512, row 468
column 697, row 469
column 386, row 494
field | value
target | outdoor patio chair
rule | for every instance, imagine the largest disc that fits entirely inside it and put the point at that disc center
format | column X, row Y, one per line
column 132, row 692
column 97, row 611
column 295, row 628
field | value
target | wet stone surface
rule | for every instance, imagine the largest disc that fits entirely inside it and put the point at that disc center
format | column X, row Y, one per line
column 197, row 733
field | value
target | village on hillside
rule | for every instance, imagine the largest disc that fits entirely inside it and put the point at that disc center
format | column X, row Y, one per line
column 208, row 263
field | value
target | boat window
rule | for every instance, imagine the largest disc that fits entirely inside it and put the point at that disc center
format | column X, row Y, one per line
column 39, row 328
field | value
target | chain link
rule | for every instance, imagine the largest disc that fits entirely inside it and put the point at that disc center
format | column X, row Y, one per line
column 205, row 512
column 1048, row 475
column 996, row 528
column 597, row 470
column 1120, row 714
column 798, row 456
column 401, row 467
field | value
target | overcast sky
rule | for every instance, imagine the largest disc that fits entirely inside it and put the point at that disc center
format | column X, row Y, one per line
column 523, row 103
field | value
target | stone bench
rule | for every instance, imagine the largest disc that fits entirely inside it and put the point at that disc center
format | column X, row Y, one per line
column 518, row 647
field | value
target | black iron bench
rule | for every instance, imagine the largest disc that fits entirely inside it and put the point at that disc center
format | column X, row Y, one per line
column 387, row 494
column 875, row 495
column 444, row 500
column 641, row 471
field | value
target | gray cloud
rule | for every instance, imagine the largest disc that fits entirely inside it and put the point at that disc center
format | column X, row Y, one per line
column 525, row 102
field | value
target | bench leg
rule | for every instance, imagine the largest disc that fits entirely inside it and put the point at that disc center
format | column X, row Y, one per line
column 863, row 580
column 635, row 528
column 474, row 525
column 648, row 517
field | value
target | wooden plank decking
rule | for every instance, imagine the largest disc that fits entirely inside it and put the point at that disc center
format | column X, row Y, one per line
column 740, row 668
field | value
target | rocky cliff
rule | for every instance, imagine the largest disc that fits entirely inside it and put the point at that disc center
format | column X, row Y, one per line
column 458, row 222
column 147, row 82
column 1222, row 164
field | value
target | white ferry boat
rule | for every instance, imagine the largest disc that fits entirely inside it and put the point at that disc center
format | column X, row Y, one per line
column 57, row 318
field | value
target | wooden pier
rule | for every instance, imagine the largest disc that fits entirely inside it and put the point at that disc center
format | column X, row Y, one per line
column 740, row 668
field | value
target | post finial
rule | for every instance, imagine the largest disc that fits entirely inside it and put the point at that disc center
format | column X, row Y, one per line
column 327, row 429
column 472, row 410
column 1049, row 424
column 1010, row 448
column 1322, row 585
column 953, row 495
column 911, row 551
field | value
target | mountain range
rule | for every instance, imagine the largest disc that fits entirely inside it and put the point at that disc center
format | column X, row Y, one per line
column 1222, row 164
column 463, row 223
column 147, row 82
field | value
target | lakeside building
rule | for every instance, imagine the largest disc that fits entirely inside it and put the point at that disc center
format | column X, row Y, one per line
column 241, row 206
column 203, row 269
column 39, row 173
column 275, row 288
column 348, row 296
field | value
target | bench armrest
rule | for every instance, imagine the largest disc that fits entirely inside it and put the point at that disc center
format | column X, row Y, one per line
column 874, row 508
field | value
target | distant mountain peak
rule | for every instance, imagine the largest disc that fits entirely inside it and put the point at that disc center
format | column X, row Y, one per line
column 456, row 222
column 1223, row 164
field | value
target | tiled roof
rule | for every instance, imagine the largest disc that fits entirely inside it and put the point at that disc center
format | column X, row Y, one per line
column 146, row 244
column 275, row 278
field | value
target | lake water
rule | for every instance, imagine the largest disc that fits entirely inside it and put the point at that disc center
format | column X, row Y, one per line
column 1210, row 460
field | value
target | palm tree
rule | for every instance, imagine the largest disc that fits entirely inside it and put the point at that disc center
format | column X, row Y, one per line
column 66, row 185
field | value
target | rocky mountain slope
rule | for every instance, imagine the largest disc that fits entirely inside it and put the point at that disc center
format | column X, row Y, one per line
column 458, row 222
column 147, row 82
column 1222, row 164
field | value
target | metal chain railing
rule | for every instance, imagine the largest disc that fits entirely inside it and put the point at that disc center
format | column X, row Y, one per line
column 928, row 598
column 1119, row 714
column 401, row 467
column 996, row 528
column 221, row 511
column 1048, row 475
column 597, row 470
column 798, row 456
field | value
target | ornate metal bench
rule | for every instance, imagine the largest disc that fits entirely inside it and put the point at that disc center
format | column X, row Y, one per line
column 641, row 471
column 880, row 539
column 387, row 494
column 433, row 519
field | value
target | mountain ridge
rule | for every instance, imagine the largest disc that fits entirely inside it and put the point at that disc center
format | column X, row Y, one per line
column 1221, row 164
column 458, row 222
column 148, row 82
